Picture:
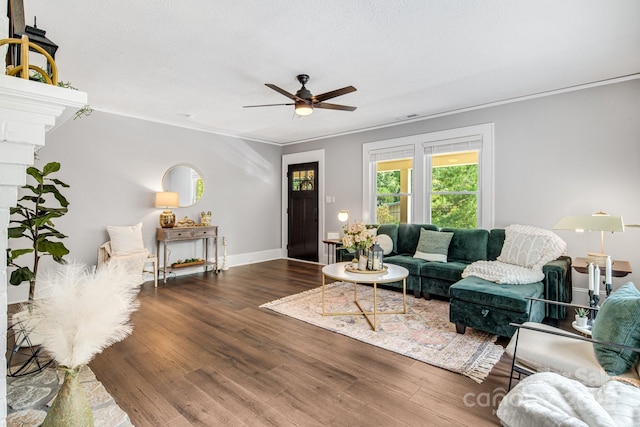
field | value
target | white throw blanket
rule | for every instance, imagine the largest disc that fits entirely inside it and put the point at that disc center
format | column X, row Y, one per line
column 549, row 399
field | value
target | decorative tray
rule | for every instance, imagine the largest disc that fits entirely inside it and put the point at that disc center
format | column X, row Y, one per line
column 187, row 264
column 351, row 269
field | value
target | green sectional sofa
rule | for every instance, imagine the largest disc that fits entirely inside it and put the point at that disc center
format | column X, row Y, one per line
column 476, row 302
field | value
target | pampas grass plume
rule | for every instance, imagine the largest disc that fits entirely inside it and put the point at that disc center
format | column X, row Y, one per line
column 82, row 313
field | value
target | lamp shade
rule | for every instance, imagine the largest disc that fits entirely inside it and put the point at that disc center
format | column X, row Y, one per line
column 167, row 199
column 343, row 215
column 596, row 222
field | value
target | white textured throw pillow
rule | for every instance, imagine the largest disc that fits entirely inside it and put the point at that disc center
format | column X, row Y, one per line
column 433, row 245
column 385, row 243
column 125, row 240
column 528, row 246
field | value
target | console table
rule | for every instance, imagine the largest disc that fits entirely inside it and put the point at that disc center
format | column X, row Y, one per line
column 206, row 234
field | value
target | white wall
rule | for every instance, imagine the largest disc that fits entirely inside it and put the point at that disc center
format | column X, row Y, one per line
column 114, row 165
column 568, row 154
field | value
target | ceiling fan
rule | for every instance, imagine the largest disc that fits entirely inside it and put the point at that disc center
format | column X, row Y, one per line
column 305, row 102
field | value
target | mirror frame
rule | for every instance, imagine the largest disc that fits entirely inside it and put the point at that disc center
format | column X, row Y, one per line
column 194, row 169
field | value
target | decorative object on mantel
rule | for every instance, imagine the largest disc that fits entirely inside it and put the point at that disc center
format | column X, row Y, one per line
column 225, row 267
column 82, row 313
column 166, row 200
column 599, row 221
column 205, row 218
column 186, row 222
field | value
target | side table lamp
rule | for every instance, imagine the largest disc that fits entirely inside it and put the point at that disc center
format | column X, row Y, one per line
column 166, row 200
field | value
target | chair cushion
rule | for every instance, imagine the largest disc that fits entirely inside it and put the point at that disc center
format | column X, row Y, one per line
column 390, row 230
column 483, row 292
column 572, row 358
column 618, row 321
column 126, row 240
column 433, row 245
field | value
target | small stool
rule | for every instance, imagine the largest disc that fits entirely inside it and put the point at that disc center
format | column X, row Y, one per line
column 153, row 259
column 490, row 307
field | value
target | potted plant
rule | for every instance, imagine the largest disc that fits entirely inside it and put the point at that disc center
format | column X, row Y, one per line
column 33, row 220
column 581, row 316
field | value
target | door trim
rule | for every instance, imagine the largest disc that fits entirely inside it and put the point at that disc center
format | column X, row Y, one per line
column 304, row 157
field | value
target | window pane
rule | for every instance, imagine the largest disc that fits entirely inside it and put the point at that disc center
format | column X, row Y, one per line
column 393, row 191
column 454, row 210
column 455, row 178
column 393, row 209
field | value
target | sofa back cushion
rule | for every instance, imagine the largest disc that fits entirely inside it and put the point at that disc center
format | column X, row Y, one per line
column 408, row 236
column 496, row 240
column 467, row 245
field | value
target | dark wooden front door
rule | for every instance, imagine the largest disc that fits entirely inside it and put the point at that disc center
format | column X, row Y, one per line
column 302, row 211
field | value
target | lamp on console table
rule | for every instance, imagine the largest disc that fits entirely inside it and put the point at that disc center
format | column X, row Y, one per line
column 599, row 221
column 166, row 200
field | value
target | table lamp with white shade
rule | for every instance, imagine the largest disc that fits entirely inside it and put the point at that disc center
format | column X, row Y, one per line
column 166, row 200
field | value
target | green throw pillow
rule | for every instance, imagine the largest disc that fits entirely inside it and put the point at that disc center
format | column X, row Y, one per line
column 433, row 245
column 618, row 321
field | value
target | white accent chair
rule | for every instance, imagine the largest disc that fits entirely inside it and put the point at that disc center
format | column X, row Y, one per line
column 135, row 260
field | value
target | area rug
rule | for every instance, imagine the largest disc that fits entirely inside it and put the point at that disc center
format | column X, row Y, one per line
column 424, row 333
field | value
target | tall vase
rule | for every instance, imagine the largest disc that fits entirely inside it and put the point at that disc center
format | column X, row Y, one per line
column 70, row 407
column 357, row 254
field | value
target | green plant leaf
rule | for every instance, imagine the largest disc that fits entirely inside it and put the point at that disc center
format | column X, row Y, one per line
column 35, row 173
column 60, row 183
column 15, row 232
column 23, row 274
column 15, row 253
column 50, row 168
column 56, row 249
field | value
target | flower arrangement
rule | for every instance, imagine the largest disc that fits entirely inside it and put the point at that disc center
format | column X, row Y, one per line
column 357, row 237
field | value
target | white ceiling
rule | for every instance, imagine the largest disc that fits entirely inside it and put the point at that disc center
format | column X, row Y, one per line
column 196, row 63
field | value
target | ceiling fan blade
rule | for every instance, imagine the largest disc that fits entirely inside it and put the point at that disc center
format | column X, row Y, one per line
column 265, row 105
column 283, row 92
column 334, row 93
column 333, row 106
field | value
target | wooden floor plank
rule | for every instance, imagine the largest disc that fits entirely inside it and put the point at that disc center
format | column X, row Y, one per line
column 204, row 353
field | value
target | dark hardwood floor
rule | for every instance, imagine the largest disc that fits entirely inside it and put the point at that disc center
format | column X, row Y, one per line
column 203, row 353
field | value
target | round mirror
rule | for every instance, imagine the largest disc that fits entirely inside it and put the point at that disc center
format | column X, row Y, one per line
column 186, row 181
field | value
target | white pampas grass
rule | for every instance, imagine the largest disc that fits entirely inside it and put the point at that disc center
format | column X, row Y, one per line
column 82, row 312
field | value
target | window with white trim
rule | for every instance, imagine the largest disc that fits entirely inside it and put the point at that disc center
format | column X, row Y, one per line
column 452, row 182
column 393, row 184
column 444, row 178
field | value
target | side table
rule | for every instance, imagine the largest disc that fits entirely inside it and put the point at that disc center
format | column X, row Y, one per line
column 618, row 268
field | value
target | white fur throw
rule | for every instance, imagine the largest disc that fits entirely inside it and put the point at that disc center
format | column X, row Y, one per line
column 548, row 399
column 500, row 272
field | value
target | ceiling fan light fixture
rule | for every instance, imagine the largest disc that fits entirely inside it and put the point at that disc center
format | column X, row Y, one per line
column 303, row 109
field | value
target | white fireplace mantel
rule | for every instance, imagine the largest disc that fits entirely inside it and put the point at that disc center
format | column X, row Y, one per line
column 28, row 110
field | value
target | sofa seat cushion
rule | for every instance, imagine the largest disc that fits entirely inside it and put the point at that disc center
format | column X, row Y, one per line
column 451, row 271
column 407, row 261
column 489, row 294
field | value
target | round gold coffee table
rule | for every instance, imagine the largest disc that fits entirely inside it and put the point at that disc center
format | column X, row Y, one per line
column 392, row 273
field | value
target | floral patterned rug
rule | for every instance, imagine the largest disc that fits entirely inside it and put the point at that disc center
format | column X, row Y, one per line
column 424, row 333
